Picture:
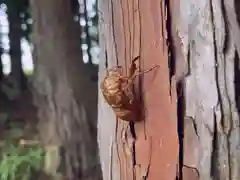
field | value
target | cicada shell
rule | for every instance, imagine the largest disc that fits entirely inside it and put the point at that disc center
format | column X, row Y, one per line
column 118, row 92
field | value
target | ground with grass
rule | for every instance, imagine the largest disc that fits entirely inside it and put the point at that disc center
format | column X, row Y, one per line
column 21, row 155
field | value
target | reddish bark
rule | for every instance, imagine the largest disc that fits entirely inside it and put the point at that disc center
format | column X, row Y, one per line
column 211, row 112
column 139, row 28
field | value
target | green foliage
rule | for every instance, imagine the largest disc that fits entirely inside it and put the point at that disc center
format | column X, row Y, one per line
column 11, row 91
column 18, row 162
column 28, row 72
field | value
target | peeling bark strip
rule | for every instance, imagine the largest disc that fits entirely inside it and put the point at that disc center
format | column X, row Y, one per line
column 131, row 28
column 212, row 33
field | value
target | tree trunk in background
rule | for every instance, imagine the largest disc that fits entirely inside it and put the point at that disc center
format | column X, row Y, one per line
column 15, row 34
column 130, row 28
column 1, row 65
column 65, row 95
column 209, row 37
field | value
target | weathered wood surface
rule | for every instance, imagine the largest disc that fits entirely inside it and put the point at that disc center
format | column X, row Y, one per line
column 130, row 28
column 210, row 38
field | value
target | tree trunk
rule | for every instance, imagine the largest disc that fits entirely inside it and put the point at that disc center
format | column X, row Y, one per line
column 209, row 41
column 64, row 93
column 15, row 34
column 129, row 29
column 1, row 65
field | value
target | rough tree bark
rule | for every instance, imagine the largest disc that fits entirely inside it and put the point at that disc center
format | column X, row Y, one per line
column 64, row 93
column 130, row 28
column 209, row 35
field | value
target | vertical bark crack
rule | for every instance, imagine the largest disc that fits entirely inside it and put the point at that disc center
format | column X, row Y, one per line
column 223, row 97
